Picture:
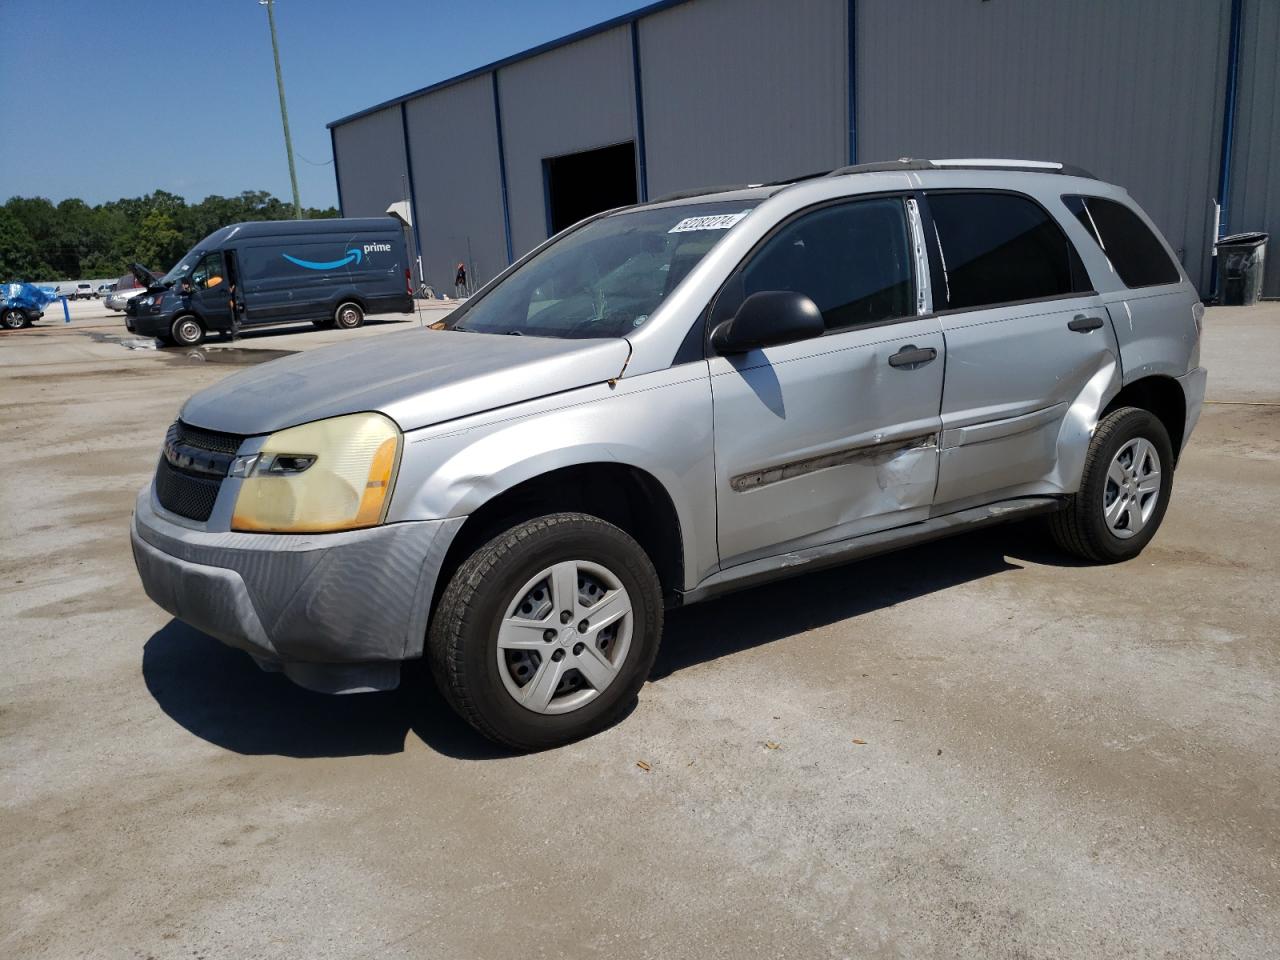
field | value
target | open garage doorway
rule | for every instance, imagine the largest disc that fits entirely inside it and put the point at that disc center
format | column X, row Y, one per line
column 580, row 184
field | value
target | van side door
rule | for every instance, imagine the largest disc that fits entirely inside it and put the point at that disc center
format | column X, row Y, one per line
column 1027, row 336
column 831, row 437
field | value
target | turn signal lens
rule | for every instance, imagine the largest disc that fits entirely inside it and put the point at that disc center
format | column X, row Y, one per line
column 321, row 477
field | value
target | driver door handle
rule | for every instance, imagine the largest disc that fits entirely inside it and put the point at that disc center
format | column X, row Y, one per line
column 912, row 356
column 1082, row 324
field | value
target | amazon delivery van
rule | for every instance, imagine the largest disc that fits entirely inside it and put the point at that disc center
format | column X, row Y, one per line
column 325, row 272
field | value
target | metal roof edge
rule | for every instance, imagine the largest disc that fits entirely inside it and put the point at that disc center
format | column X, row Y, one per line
column 584, row 33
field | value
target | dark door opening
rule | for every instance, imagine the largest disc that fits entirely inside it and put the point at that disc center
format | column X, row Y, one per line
column 580, row 184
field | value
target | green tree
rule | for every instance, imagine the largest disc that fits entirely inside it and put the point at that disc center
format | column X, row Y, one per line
column 19, row 255
column 159, row 243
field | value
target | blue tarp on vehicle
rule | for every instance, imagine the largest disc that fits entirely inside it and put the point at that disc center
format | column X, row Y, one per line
column 24, row 295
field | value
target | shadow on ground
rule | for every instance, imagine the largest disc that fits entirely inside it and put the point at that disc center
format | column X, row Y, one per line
column 220, row 695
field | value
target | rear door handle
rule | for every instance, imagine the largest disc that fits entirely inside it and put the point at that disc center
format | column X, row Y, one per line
column 1082, row 324
column 912, row 356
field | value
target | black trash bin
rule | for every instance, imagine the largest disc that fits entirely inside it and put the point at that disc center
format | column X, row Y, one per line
column 1241, row 260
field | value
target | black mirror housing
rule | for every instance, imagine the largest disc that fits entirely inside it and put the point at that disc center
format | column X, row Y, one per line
column 767, row 319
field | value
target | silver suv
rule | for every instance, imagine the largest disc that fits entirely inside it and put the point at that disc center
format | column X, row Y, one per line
column 673, row 400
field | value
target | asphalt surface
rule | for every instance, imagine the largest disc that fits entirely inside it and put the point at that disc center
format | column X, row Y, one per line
column 971, row 749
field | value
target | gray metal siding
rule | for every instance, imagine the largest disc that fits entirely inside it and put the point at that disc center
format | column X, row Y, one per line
column 453, row 143
column 369, row 156
column 1255, row 168
column 573, row 98
column 744, row 91
column 1129, row 89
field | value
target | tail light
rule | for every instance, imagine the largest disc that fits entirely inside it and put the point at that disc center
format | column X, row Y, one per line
column 1197, row 316
column 408, row 282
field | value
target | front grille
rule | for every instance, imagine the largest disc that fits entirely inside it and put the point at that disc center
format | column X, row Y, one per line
column 185, row 494
column 206, row 439
column 192, row 468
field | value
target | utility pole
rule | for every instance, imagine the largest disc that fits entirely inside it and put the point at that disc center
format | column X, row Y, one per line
column 284, row 111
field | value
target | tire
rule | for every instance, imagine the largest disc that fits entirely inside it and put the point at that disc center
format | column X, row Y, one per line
column 536, row 697
column 187, row 331
column 349, row 315
column 15, row 320
column 1083, row 527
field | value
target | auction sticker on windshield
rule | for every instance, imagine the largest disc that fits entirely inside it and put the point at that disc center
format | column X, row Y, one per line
column 722, row 221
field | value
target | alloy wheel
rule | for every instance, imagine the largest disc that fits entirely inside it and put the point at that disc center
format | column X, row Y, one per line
column 1132, row 490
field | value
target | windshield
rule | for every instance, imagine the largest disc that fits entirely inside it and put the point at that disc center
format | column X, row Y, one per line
column 604, row 279
column 182, row 269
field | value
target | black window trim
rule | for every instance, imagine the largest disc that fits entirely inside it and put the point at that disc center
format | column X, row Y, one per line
column 1097, row 236
column 704, row 318
column 937, row 275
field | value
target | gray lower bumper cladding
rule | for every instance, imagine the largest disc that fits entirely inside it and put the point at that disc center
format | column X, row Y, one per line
column 335, row 612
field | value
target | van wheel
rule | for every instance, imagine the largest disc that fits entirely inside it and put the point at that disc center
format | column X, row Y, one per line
column 348, row 316
column 15, row 320
column 187, row 332
column 1124, row 492
column 546, row 633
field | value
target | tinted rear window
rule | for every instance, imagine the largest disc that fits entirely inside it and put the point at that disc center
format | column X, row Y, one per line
column 1001, row 248
column 1134, row 251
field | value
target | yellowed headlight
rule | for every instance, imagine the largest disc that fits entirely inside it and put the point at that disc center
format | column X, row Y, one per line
column 345, row 486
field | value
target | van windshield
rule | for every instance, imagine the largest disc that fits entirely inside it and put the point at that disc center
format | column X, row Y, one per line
column 182, row 268
column 604, row 279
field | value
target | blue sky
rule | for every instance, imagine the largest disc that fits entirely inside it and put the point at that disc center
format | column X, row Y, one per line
column 180, row 96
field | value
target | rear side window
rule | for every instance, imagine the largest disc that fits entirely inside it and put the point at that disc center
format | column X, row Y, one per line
column 853, row 260
column 1001, row 248
column 1134, row 251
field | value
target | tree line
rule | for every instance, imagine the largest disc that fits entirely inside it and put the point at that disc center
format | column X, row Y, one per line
column 71, row 240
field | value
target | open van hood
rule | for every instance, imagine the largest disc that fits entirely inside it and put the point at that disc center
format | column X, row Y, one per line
column 417, row 378
column 146, row 279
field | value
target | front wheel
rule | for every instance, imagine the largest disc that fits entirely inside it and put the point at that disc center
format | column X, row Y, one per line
column 187, row 332
column 348, row 316
column 1124, row 492
column 15, row 320
column 546, row 633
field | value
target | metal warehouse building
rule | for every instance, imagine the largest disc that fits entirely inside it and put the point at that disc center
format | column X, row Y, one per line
column 1174, row 99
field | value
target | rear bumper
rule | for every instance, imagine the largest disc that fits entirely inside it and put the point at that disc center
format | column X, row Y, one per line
column 335, row 612
column 1193, row 387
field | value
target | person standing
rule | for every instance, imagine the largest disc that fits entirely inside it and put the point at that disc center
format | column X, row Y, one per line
column 460, row 282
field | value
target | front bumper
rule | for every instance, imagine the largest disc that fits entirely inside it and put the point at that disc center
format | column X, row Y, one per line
column 336, row 612
column 1193, row 387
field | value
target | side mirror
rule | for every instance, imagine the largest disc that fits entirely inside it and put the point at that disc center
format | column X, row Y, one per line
column 766, row 319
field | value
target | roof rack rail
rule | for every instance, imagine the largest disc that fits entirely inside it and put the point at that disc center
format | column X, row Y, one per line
column 703, row 192
column 907, row 163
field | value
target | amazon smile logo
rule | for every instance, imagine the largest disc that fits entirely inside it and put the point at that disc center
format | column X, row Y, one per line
column 354, row 255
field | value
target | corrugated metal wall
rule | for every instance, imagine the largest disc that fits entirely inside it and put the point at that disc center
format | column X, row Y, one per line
column 1129, row 89
column 453, row 143
column 573, row 98
column 369, row 154
column 743, row 91
column 754, row 90
column 1255, row 167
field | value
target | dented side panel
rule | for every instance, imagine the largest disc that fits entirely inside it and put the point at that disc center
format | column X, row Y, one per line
column 1022, row 387
column 821, row 440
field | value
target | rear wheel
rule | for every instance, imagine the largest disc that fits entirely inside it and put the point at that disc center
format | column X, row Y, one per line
column 15, row 320
column 1124, row 492
column 349, row 315
column 187, row 332
column 546, row 633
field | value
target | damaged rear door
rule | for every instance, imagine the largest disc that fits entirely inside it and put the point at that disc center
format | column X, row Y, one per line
column 833, row 437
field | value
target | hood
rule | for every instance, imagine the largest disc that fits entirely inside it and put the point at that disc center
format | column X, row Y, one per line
column 417, row 378
column 146, row 279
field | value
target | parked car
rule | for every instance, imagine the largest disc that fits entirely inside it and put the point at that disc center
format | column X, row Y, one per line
column 105, row 289
column 84, row 291
column 126, row 288
column 674, row 400
column 325, row 272
column 21, row 304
